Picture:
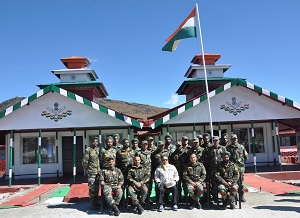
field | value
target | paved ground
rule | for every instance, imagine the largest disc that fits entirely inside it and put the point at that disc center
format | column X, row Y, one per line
column 259, row 203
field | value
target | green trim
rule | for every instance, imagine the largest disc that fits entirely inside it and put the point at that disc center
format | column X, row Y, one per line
column 53, row 88
column 217, row 91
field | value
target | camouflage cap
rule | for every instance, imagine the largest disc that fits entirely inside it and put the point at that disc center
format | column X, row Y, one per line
column 144, row 142
column 116, row 135
column 184, row 137
column 160, row 143
column 195, row 140
column 233, row 136
column 216, row 138
column 150, row 138
column 199, row 136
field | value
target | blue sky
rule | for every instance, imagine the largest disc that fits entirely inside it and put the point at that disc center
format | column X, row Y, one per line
column 123, row 40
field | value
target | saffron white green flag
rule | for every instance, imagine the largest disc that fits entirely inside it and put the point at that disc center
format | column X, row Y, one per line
column 186, row 30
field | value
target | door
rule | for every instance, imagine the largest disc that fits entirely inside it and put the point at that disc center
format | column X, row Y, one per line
column 67, row 154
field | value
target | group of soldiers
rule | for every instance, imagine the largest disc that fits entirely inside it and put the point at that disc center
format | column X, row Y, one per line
column 135, row 165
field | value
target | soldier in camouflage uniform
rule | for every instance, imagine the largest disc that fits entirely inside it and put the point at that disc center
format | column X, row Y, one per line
column 185, row 143
column 239, row 156
column 107, row 152
column 125, row 157
column 194, row 175
column 227, row 175
column 138, row 177
column 91, row 165
column 135, row 145
column 178, row 158
column 156, row 156
column 168, row 144
column 212, row 157
column 200, row 137
column 145, row 155
column 151, row 144
column 225, row 140
column 111, row 179
column 116, row 144
column 196, row 149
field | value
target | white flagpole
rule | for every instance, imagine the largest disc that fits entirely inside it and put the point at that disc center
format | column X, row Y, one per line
column 205, row 75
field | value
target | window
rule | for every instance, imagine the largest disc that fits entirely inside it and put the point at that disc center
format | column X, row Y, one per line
column 30, row 150
column 245, row 138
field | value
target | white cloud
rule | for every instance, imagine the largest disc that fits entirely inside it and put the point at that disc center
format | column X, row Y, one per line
column 173, row 100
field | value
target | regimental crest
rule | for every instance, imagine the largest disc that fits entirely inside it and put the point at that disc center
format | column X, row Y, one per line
column 234, row 107
column 56, row 113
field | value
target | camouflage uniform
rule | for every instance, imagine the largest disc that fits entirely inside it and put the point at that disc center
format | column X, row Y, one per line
column 227, row 172
column 146, row 159
column 138, row 174
column 91, row 165
column 198, row 151
column 194, row 173
column 179, row 158
column 239, row 156
column 110, row 178
column 124, row 160
column 105, row 154
column 152, row 148
column 211, row 159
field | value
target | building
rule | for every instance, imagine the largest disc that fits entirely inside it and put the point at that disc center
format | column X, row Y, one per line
column 47, row 133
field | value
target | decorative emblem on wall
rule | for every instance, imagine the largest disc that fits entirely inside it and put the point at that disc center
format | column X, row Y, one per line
column 234, row 107
column 56, row 113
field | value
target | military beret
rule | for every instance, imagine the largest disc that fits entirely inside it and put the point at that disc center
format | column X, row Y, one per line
column 168, row 136
column 206, row 134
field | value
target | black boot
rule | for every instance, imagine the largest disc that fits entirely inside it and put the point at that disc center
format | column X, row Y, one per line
column 116, row 210
column 95, row 205
column 242, row 197
column 140, row 209
column 226, row 202
column 232, row 202
column 192, row 204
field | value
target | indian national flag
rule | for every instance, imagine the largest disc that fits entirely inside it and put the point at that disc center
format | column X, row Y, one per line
column 186, row 30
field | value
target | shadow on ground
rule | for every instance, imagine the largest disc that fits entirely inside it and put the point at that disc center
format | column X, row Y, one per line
column 278, row 208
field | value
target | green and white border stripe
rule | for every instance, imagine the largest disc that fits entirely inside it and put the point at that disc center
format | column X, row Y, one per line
column 75, row 97
column 236, row 82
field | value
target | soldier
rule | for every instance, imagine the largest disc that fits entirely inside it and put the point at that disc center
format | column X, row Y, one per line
column 111, row 179
column 166, row 177
column 206, row 141
column 200, row 137
column 107, row 152
column 91, row 165
column 156, row 156
column 185, row 142
column 227, row 175
column 194, row 176
column 135, row 145
column 125, row 157
column 168, row 144
column 179, row 158
column 239, row 156
column 138, row 177
column 151, row 144
column 212, row 157
column 116, row 144
column 196, row 149
column 225, row 140
column 145, row 155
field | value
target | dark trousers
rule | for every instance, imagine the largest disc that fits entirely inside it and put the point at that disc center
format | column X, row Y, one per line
column 162, row 191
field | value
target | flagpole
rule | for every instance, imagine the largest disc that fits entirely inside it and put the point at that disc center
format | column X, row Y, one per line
column 205, row 74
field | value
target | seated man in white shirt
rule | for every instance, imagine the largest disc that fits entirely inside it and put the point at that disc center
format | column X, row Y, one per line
column 166, row 177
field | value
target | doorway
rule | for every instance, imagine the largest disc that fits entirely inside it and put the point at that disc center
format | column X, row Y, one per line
column 67, row 154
